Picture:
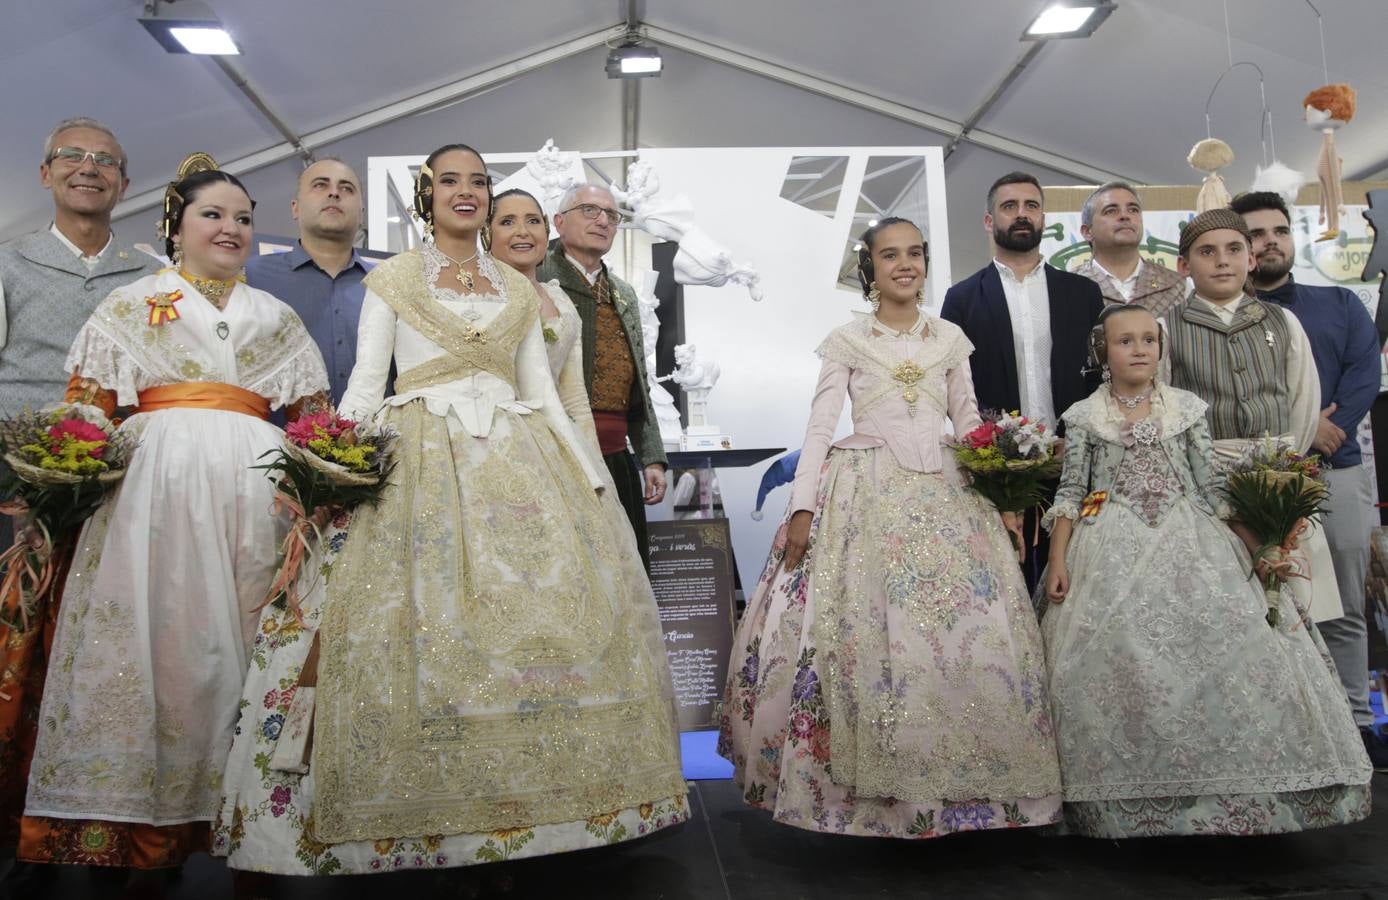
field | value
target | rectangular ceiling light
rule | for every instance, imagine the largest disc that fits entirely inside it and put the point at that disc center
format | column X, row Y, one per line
column 1067, row 20
column 204, row 40
column 192, row 28
column 634, row 61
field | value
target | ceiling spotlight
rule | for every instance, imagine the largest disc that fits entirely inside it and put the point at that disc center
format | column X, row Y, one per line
column 1068, row 20
column 187, row 26
column 633, row 61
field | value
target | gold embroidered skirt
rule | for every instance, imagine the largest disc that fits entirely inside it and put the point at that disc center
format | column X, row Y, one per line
column 491, row 664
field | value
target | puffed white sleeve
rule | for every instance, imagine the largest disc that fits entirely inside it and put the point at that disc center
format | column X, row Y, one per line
column 1303, row 387
column 536, row 387
column 366, row 388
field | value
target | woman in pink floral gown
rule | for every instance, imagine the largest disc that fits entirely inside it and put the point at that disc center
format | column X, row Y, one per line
column 888, row 677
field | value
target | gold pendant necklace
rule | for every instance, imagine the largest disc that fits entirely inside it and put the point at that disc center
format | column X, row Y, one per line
column 464, row 277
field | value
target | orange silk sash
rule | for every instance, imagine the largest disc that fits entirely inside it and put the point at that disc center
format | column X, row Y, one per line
column 204, row 395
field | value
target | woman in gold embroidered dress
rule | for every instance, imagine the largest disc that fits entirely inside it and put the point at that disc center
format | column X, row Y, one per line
column 491, row 682
column 160, row 604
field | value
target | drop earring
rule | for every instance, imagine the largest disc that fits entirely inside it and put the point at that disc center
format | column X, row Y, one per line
column 920, row 295
column 1107, row 376
column 874, row 296
column 177, row 257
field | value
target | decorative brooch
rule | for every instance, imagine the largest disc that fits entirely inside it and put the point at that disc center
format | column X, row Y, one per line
column 161, row 307
column 1092, row 504
column 908, row 373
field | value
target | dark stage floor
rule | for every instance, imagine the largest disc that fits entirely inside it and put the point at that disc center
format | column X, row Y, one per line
column 729, row 851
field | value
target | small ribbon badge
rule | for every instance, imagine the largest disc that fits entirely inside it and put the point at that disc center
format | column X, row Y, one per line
column 161, row 307
column 1090, row 506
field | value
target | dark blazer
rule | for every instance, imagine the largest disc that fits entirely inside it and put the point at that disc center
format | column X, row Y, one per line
column 977, row 305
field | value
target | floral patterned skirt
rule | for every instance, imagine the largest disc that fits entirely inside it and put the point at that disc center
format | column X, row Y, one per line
column 267, row 821
column 892, row 684
column 1178, row 709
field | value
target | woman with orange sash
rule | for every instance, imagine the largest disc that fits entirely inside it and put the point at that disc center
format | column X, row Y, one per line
column 160, row 603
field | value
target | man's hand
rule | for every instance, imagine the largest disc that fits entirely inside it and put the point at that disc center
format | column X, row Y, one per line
column 655, row 483
column 1329, row 436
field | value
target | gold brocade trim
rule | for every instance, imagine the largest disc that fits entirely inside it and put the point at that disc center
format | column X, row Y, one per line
column 400, row 282
column 479, row 665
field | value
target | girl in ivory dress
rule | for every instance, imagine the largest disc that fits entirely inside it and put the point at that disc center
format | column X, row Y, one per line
column 887, row 676
column 159, row 607
column 1178, row 709
column 519, row 238
column 489, row 674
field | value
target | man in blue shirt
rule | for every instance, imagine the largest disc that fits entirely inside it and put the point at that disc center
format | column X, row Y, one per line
column 321, row 277
column 1345, row 346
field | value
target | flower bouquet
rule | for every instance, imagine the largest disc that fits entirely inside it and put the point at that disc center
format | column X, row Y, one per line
column 63, row 461
column 1275, row 493
column 1009, row 458
column 327, row 463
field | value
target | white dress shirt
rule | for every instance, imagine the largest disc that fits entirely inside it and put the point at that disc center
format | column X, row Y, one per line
column 1029, row 308
column 1125, row 285
column 590, row 277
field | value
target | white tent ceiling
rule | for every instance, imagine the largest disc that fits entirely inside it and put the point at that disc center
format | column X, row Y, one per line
column 1129, row 101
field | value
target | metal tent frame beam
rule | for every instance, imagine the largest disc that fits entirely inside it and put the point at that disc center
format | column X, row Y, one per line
column 862, row 99
column 439, row 96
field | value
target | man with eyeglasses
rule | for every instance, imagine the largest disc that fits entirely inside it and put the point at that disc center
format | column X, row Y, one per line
column 614, row 367
column 50, row 281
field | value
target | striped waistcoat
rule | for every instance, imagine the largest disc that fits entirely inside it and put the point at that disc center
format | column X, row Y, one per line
column 1239, row 369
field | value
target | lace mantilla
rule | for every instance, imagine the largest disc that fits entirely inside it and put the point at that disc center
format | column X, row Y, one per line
column 434, row 264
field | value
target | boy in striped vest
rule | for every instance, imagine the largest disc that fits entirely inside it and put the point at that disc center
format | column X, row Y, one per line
column 1251, row 361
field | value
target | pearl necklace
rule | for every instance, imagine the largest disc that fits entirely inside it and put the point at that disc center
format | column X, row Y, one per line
column 1130, row 402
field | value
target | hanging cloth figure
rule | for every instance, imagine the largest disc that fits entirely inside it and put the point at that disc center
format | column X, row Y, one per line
column 1209, row 156
column 1327, row 108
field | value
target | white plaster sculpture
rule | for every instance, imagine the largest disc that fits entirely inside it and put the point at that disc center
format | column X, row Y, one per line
column 697, row 376
column 666, row 413
column 701, row 259
column 555, row 172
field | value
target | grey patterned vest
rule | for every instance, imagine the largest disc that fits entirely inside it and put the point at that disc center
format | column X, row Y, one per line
column 48, row 296
column 1240, row 369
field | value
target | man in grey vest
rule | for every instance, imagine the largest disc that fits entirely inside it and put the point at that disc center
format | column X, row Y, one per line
column 52, row 279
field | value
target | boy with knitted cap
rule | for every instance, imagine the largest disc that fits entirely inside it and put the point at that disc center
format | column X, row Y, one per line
column 1251, row 362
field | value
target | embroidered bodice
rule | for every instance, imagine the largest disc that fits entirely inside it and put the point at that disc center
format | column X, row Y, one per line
column 902, row 387
column 1146, row 465
column 468, row 354
column 159, row 330
column 1146, row 482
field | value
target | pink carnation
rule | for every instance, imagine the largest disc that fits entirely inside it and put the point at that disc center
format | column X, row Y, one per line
column 78, row 430
column 319, row 425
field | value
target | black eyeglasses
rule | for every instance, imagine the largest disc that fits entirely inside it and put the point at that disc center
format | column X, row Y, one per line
column 592, row 211
column 76, row 156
